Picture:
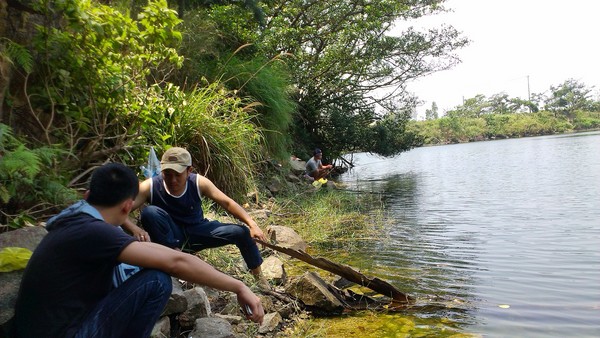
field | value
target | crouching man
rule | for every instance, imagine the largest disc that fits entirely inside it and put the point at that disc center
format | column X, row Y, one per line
column 67, row 288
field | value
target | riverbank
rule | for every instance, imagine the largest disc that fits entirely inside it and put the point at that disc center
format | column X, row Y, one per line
column 327, row 219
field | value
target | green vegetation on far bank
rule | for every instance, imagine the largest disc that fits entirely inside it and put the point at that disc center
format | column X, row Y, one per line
column 457, row 129
column 567, row 107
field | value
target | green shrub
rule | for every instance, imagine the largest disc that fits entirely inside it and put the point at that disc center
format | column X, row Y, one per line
column 31, row 186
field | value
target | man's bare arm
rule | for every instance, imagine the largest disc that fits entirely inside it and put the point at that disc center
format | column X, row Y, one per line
column 208, row 189
column 192, row 269
column 142, row 197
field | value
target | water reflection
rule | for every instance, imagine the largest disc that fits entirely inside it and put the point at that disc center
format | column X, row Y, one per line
column 420, row 255
column 475, row 226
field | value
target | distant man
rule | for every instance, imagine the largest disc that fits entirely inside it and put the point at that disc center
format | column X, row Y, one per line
column 67, row 288
column 314, row 167
column 174, row 216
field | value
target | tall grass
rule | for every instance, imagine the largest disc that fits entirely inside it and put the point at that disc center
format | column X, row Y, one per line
column 327, row 219
column 215, row 126
column 253, row 78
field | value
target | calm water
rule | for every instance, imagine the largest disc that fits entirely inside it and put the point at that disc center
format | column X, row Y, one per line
column 500, row 238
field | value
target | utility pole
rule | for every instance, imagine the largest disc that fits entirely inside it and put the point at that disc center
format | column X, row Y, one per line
column 529, row 95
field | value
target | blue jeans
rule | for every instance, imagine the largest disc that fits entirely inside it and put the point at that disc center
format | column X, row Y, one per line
column 208, row 234
column 131, row 310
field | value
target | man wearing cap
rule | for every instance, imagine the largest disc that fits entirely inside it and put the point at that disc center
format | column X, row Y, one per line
column 174, row 216
column 314, row 167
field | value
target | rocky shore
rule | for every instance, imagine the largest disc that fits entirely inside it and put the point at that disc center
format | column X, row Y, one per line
column 197, row 311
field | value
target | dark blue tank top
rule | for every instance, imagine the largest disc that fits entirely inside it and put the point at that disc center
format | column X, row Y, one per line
column 185, row 209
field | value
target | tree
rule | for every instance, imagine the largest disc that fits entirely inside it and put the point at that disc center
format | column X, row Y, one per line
column 344, row 50
column 432, row 114
column 472, row 107
column 569, row 97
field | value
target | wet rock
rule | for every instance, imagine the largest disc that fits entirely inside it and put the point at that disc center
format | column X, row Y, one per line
column 342, row 283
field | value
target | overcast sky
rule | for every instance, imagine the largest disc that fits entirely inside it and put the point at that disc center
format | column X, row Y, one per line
column 548, row 41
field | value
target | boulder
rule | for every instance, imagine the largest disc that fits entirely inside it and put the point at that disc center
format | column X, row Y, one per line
column 270, row 322
column 273, row 270
column 286, row 237
column 177, row 302
column 197, row 306
column 313, row 292
column 29, row 238
column 212, row 328
column 298, row 166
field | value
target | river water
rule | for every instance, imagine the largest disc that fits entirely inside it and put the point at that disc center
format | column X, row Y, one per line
column 494, row 239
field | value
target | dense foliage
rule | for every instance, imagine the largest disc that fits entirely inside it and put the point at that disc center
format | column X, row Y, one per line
column 235, row 82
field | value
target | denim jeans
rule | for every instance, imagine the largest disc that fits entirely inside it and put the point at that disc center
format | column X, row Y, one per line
column 131, row 310
column 208, row 234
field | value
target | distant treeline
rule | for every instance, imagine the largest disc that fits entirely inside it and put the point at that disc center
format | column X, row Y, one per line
column 567, row 108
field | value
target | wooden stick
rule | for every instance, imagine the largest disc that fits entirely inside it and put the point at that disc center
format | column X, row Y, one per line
column 345, row 271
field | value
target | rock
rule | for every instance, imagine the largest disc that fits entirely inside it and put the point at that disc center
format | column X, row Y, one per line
column 274, row 186
column 273, row 270
column 342, row 283
column 29, row 238
column 162, row 328
column 233, row 320
column 260, row 215
column 286, row 237
column 298, row 166
column 212, row 328
column 293, row 178
column 270, row 322
column 177, row 302
column 311, row 290
column 197, row 306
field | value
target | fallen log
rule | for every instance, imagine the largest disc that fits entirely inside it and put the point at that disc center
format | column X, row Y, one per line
column 375, row 284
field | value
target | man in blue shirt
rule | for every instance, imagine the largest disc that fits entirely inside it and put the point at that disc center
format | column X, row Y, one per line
column 67, row 288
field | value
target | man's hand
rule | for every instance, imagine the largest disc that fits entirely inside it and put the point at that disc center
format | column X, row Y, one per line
column 137, row 232
column 248, row 298
column 256, row 232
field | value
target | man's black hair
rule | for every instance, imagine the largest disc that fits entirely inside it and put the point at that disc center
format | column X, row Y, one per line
column 112, row 184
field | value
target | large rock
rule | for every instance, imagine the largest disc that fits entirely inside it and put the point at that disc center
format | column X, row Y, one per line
column 29, row 238
column 197, row 306
column 177, row 302
column 162, row 328
column 212, row 328
column 270, row 322
column 286, row 237
column 273, row 270
column 311, row 290
column 298, row 166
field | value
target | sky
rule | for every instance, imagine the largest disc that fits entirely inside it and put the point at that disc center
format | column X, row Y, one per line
column 517, row 47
